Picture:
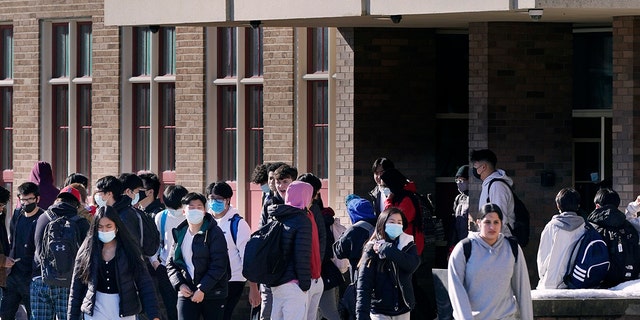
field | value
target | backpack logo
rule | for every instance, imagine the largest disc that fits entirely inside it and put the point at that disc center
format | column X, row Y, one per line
column 589, row 262
column 57, row 252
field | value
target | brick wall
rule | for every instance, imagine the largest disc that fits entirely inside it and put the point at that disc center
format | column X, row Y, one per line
column 520, row 107
column 190, row 108
column 279, row 117
column 394, row 102
column 625, row 128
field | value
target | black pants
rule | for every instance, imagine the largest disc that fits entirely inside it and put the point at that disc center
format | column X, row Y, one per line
column 15, row 294
column 235, row 292
column 167, row 292
column 207, row 309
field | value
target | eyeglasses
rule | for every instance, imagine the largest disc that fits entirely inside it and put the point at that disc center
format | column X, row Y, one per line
column 30, row 199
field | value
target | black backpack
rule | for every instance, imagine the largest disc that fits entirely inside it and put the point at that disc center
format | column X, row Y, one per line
column 425, row 220
column 624, row 254
column 521, row 227
column 149, row 235
column 264, row 260
column 589, row 262
column 60, row 242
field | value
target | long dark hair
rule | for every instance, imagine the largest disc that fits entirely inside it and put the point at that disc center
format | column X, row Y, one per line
column 90, row 253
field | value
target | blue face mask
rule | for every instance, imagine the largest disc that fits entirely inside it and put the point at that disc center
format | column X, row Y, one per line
column 265, row 188
column 393, row 230
column 216, row 206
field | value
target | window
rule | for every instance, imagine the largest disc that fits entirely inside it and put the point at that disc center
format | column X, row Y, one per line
column 150, row 67
column 318, row 102
column 66, row 96
column 592, row 70
column 236, row 102
column 6, row 104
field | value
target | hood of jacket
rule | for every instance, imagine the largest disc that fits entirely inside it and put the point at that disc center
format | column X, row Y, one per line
column 281, row 211
column 124, row 202
column 41, row 173
column 484, row 244
column 360, row 209
column 608, row 217
column 498, row 174
column 63, row 209
column 568, row 221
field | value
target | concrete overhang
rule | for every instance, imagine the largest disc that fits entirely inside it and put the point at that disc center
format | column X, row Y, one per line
column 360, row 13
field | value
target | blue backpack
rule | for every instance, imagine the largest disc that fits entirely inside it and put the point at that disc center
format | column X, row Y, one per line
column 589, row 261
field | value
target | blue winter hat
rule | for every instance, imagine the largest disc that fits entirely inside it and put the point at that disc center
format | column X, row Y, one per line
column 360, row 209
column 350, row 197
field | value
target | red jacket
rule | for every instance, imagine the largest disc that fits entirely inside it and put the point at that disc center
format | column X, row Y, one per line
column 409, row 210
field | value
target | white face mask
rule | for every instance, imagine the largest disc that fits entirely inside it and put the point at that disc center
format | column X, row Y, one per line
column 135, row 199
column 195, row 216
column 386, row 191
column 106, row 236
column 174, row 213
column 99, row 201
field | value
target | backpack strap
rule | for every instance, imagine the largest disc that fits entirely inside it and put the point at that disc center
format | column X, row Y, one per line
column 235, row 220
column 494, row 180
column 163, row 223
column 365, row 225
column 466, row 247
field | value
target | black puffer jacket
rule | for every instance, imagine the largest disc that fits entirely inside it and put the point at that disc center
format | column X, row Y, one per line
column 210, row 260
column 296, row 242
column 82, row 297
column 129, row 216
column 352, row 241
column 384, row 284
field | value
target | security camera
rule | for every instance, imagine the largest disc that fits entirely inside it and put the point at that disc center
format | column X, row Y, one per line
column 535, row 14
column 255, row 24
column 396, row 18
column 154, row 28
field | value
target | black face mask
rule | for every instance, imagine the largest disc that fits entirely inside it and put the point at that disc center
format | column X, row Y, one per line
column 476, row 174
column 30, row 207
column 142, row 194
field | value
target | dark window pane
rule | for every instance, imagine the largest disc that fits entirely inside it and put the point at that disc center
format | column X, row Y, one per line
column 84, row 49
column 592, row 70
column 167, row 127
column 6, row 52
column 254, row 52
column 61, row 132
column 141, row 130
column 452, row 139
column 452, row 72
column 6, row 144
column 60, row 48
column 589, row 161
column 319, row 50
column 141, row 51
column 84, row 123
column 586, row 128
column 320, row 129
column 228, row 125
column 167, row 50
column 256, row 127
column 227, row 52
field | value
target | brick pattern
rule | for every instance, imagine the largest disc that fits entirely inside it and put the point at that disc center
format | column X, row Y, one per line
column 520, row 107
column 279, row 116
column 625, row 145
column 394, row 107
column 190, row 108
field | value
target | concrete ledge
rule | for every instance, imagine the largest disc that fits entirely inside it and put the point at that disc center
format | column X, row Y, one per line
column 588, row 307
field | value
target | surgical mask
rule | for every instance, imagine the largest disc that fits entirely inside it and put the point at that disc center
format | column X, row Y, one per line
column 135, row 199
column 476, row 174
column 99, row 201
column 106, row 236
column 386, row 191
column 142, row 194
column 265, row 188
column 195, row 216
column 30, row 207
column 462, row 186
column 216, row 206
column 174, row 213
column 393, row 230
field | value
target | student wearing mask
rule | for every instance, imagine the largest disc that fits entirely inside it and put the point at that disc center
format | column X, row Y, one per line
column 110, row 278
column 199, row 263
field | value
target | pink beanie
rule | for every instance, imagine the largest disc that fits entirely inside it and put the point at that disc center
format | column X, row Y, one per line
column 298, row 194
